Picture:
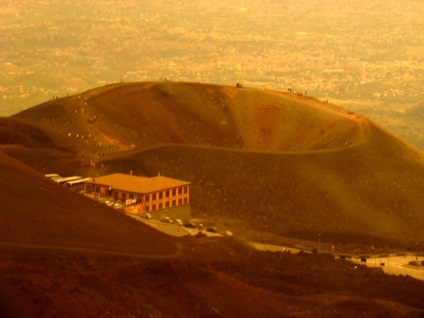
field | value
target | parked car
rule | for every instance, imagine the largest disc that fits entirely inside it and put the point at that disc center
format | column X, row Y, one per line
column 415, row 263
column 190, row 225
column 166, row 219
column 212, row 230
column 147, row 215
column 101, row 199
column 228, row 233
column 178, row 222
column 118, row 206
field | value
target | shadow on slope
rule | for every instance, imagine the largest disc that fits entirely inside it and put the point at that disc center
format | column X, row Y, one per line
column 15, row 132
column 37, row 211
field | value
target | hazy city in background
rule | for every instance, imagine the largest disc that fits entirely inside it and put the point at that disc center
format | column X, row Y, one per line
column 366, row 56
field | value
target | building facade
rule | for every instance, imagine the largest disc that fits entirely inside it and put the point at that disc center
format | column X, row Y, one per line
column 141, row 194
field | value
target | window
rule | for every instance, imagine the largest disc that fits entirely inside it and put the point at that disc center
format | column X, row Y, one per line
column 160, row 195
column 174, row 192
column 180, row 190
column 147, row 196
column 185, row 190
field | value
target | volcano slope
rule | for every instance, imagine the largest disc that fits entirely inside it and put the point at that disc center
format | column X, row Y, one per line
column 259, row 159
column 63, row 255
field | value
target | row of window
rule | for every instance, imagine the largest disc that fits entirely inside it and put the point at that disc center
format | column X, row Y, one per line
column 166, row 194
column 164, row 205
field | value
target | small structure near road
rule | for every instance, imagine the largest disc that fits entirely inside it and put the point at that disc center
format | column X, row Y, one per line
column 77, row 184
column 66, row 179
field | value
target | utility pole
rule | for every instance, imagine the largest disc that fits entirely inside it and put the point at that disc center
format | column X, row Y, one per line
column 319, row 243
column 416, row 253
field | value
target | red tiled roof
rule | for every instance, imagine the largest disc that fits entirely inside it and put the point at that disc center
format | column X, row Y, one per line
column 137, row 184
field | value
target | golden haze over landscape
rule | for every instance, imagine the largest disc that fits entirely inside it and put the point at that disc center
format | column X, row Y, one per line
column 290, row 131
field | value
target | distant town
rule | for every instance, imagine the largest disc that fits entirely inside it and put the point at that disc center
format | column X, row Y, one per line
column 366, row 57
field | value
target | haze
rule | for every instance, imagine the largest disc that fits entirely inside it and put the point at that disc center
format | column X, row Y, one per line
column 366, row 56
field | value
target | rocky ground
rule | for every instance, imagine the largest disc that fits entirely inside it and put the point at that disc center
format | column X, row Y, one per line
column 64, row 255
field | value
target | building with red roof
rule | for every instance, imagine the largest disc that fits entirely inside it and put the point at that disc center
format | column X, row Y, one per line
column 142, row 194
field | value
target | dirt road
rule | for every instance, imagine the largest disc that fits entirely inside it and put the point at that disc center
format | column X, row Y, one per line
column 390, row 264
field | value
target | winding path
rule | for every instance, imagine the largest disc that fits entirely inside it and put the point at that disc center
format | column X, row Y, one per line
column 39, row 247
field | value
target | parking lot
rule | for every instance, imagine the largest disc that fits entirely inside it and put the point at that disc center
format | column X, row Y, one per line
column 173, row 229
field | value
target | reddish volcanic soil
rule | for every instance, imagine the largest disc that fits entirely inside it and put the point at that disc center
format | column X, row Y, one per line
column 258, row 161
column 255, row 158
column 209, row 279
